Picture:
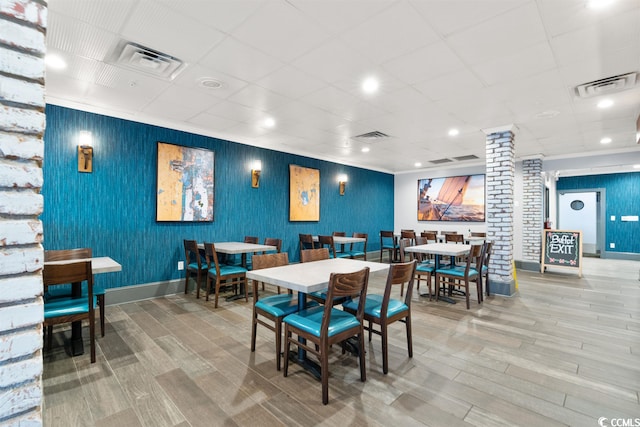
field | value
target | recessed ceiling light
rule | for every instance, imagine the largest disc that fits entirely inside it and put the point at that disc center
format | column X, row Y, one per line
column 605, row 140
column 55, row 62
column 370, row 85
column 210, row 83
column 417, row 164
column 453, row 132
column 598, row 4
column 365, row 149
column 636, row 166
column 605, row 103
column 269, row 122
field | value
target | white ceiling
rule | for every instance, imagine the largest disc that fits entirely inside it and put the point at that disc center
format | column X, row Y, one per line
column 472, row 65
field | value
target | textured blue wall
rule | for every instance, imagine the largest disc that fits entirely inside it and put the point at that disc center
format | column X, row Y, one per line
column 622, row 198
column 113, row 209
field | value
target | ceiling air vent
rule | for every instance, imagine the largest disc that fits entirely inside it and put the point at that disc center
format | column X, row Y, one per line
column 469, row 157
column 149, row 61
column 372, row 135
column 440, row 161
column 607, row 85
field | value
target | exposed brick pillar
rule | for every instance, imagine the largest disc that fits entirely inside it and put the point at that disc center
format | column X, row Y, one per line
column 500, row 182
column 532, row 216
column 22, row 123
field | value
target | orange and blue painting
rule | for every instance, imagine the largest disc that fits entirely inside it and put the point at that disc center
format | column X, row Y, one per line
column 185, row 183
column 454, row 198
column 304, row 194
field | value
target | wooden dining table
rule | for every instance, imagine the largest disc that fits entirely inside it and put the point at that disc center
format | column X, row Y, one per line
column 99, row 265
column 310, row 277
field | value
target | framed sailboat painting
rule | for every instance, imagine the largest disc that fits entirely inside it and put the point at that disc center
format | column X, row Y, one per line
column 454, row 198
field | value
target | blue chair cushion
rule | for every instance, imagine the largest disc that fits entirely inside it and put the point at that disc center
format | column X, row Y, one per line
column 194, row 265
column 66, row 307
column 343, row 255
column 323, row 295
column 425, row 268
column 226, row 270
column 484, row 269
column 355, row 253
column 373, row 306
column 457, row 271
column 310, row 320
column 278, row 305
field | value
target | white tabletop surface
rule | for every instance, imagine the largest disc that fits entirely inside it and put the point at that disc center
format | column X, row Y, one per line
column 340, row 240
column 99, row 265
column 311, row 276
column 452, row 249
column 239, row 247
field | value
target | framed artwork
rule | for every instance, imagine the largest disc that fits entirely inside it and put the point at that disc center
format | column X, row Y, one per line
column 304, row 194
column 454, row 198
column 185, row 183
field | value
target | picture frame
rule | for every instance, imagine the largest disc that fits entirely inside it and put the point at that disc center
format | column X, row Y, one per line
column 185, row 183
column 454, row 198
column 304, row 193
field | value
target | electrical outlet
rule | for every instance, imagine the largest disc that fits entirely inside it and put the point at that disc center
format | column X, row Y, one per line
column 180, row 265
column 612, row 245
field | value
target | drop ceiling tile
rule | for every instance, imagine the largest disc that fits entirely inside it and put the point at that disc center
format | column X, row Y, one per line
column 341, row 15
column 258, row 98
column 79, row 38
column 101, row 14
column 291, row 82
column 451, row 17
column 334, row 100
column 212, row 122
column 240, row 61
column 407, row 98
column 390, row 34
column 457, row 84
column 502, row 35
column 157, row 27
column 431, row 61
column 222, row 15
column 193, row 73
column 607, row 64
column 280, row 31
column 333, row 61
column 524, row 63
column 234, row 111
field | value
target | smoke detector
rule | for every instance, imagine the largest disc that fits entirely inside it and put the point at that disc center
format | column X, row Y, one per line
column 607, row 85
column 143, row 59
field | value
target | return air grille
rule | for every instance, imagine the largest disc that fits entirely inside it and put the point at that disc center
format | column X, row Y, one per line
column 440, row 161
column 148, row 61
column 468, row 157
column 372, row 135
column 606, row 85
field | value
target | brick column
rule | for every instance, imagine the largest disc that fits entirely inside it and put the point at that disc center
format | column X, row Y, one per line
column 500, row 182
column 22, row 123
column 532, row 215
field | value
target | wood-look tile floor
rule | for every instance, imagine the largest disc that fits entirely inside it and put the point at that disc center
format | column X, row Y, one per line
column 563, row 351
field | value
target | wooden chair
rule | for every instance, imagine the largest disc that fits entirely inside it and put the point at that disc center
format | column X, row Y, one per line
column 425, row 267
column 478, row 234
column 270, row 241
column 408, row 234
column 232, row 274
column 68, row 310
column 388, row 243
column 454, row 238
column 383, row 310
column 311, row 255
column 484, row 273
column 195, row 265
column 324, row 326
column 461, row 275
column 306, row 242
column 356, row 252
column 430, row 236
column 327, row 242
column 340, row 234
column 274, row 307
column 65, row 291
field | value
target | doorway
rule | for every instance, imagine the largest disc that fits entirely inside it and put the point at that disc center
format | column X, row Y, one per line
column 581, row 210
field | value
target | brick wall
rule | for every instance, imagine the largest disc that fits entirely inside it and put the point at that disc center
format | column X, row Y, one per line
column 500, row 182
column 532, row 220
column 22, row 123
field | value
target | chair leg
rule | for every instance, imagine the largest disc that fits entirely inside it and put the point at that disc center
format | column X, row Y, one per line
column 208, row 288
column 385, row 349
column 363, row 370
column 278, row 342
column 370, row 330
column 254, row 329
column 92, row 337
column 186, row 282
column 246, row 289
column 324, row 373
column 407, row 322
column 101, row 307
column 466, row 293
column 287, row 336
column 49, row 337
column 215, row 305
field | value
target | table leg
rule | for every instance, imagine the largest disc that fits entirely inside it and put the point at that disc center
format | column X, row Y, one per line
column 444, row 298
column 240, row 293
column 300, row 357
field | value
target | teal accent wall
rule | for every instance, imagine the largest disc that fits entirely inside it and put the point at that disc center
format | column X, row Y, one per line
column 113, row 209
column 622, row 198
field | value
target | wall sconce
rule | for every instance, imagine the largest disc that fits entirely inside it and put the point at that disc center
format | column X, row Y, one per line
column 255, row 173
column 85, row 152
column 342, row 182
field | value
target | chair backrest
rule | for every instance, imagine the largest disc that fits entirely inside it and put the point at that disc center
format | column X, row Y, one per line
column 192, row 253
column 306, row 241
column 474, row 258
column 454, row 238
column 431, row 236
column 361, row 236
column 449, row 232
column 403, row 244
column 399, row 273
column 327, row 241
column 270, row 260
column 65, row 254
column 270, row 241
column 339, row 233
column 386, row 234
column 478, row 234
column 487, row 253
column 345, row 285
column 74, row 272
column 251, row 239
column 309, row 255
column 212, row 257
